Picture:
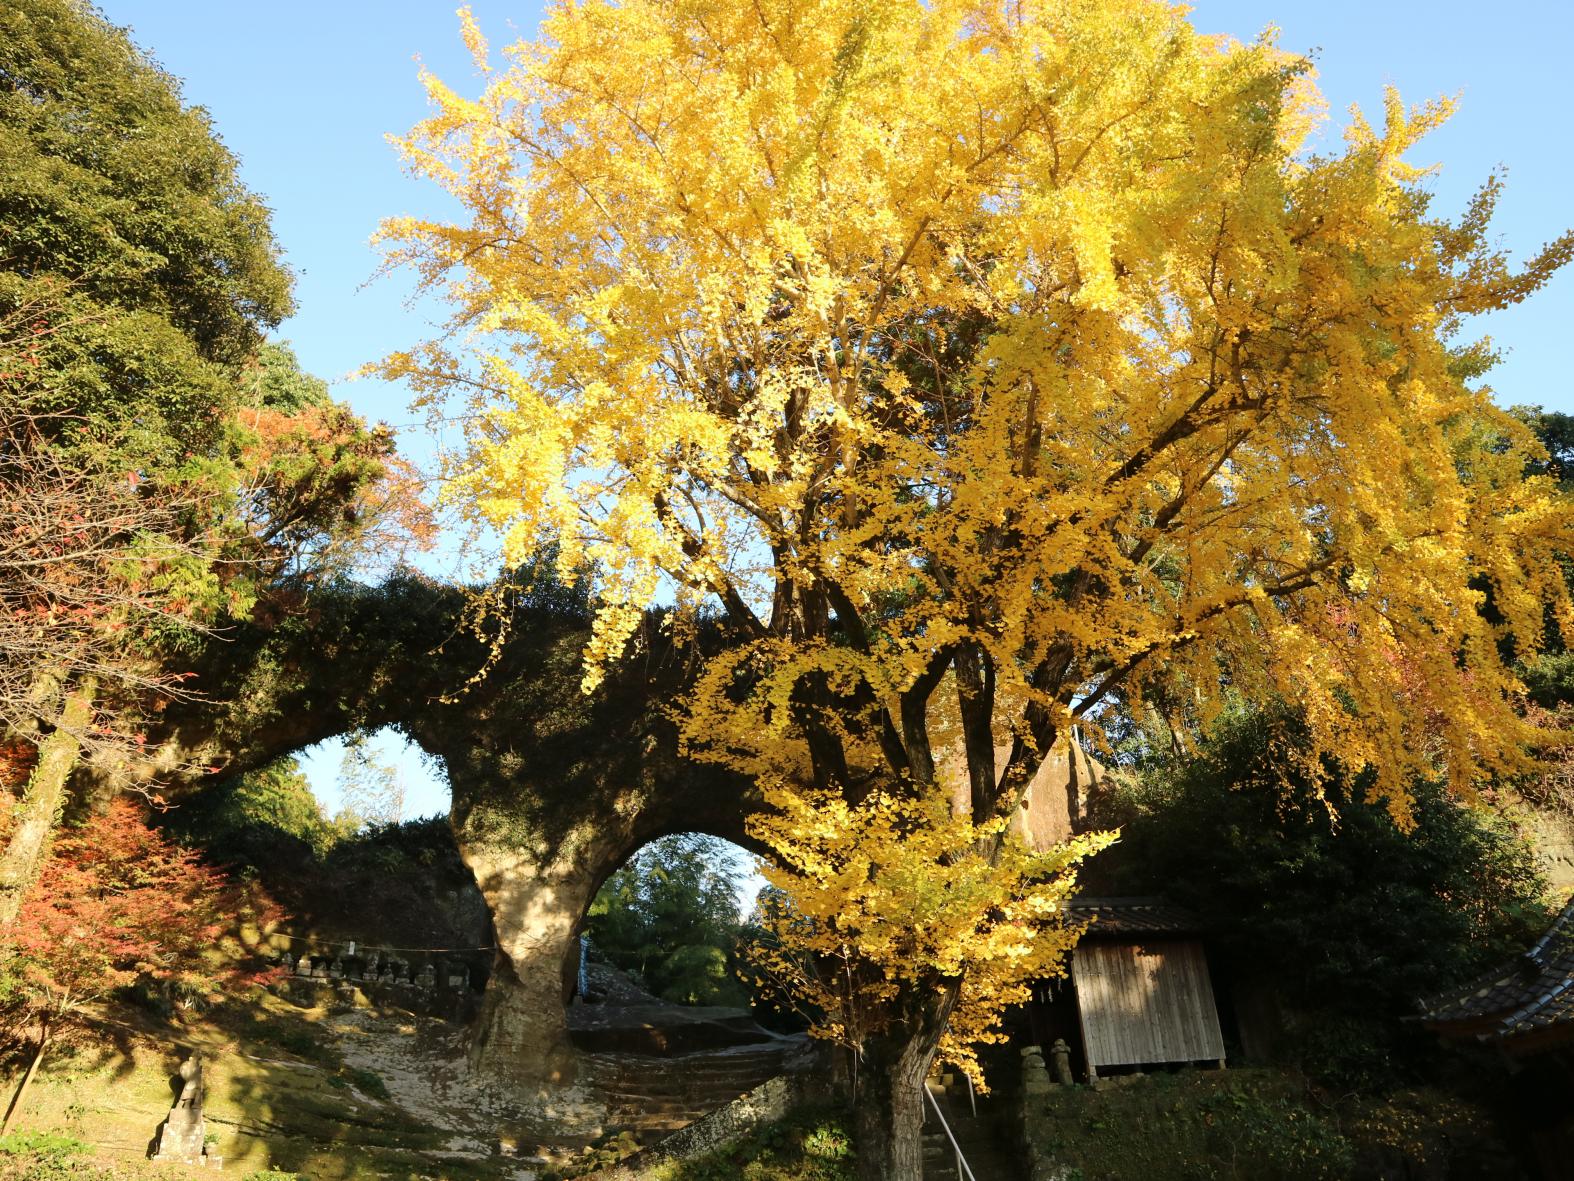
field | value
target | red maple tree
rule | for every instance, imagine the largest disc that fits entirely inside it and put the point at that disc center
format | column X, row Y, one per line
column 118, row 902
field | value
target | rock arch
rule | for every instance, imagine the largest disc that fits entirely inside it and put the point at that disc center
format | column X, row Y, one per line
column 552, row 792
column 552, row 789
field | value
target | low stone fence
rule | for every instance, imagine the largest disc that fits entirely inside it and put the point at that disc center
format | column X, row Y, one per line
column 440, row 982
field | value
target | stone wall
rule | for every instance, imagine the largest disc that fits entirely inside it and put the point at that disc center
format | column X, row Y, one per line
column 767, row 1103
column 1039, row 1131
column 1553, row 836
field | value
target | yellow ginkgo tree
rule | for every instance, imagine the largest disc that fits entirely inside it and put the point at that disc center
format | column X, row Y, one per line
column 1024, row 352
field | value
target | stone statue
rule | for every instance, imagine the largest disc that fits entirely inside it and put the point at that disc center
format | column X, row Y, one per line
column 181, row 1138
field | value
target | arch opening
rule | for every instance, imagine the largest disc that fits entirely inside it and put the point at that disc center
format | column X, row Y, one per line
column 350, row 836
column 669, row 922
column 376, row 777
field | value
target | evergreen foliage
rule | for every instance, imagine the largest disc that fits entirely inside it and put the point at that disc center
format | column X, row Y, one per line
column 167, row 471
column 1311, row 887
column 115, row 191
column 670, row 918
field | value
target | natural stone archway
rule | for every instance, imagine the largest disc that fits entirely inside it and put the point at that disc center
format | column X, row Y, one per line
column 552, row 789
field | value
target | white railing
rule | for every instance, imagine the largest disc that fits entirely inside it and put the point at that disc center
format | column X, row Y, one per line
column 962, row 1167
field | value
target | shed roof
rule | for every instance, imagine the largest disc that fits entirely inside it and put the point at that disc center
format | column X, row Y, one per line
column 1134, row 916
column 1534, row 992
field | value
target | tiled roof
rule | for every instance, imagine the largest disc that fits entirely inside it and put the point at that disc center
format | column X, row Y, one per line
column 1134, row 916
column 1532, row 992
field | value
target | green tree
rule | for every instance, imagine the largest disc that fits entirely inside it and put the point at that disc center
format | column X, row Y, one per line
column 173, row 469
column 110, row 184
column 1310, row 886
column 1556, row 432
column 262, row 819
column 670, row 917
column 372, row 787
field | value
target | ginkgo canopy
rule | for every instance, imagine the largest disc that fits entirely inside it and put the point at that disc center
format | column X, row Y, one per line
column 1038, row 337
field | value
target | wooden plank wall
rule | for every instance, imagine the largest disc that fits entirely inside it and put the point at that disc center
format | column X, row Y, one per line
column 1146, row 1003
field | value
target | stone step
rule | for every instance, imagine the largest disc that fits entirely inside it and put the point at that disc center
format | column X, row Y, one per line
column 692, row 1092
column 672, row 1080
column 654, row 1096
column 987, row 1140
column 625, row 1102
column 653, row 1131
column 698, row 1063
column 677, row 1084
column 676, row 1079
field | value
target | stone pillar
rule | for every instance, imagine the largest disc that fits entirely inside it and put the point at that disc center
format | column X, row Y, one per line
column 521, row 1033
column 1035, row 1080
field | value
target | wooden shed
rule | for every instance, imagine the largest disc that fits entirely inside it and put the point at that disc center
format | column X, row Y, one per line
column 1139, row 993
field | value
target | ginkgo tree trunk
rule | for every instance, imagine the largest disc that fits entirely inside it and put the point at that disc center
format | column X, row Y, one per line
column 1010, row 360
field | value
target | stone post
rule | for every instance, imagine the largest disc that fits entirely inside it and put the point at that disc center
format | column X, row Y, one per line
column 1035, row 1080
column 1060, row 1062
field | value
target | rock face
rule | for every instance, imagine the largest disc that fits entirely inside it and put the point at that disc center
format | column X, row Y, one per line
column 1553, row 836
column 553, row 791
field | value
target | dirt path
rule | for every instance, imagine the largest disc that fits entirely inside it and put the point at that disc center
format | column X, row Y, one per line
column 421, row 1060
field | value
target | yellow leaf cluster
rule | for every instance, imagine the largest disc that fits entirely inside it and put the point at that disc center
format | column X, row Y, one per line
column 896, row 894
column 1037, row 311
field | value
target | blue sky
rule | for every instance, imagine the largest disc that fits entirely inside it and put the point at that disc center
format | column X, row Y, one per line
column 305, row 93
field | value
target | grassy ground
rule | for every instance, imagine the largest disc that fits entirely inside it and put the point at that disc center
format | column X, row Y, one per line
column 280, row 1096
column 1262, row 1125
column 294, row 1089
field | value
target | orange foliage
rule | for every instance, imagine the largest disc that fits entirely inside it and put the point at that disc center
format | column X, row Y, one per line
column 319, row 489
column 118, row 901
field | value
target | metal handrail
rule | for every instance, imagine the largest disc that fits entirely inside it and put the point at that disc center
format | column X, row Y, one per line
column 962, row 1167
